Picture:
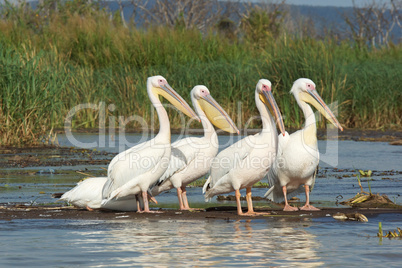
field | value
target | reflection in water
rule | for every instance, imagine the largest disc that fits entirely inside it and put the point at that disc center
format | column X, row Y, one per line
column 281, row 242
column 204, row 243
column 277, row 242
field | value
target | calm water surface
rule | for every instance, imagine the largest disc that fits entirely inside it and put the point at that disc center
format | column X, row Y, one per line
column 285, row 242
column 171, row 243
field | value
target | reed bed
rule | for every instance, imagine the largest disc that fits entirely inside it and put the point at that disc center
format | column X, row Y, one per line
column 50, row 65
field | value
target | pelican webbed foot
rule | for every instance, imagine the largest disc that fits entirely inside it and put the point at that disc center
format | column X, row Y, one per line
column 253, row 213
column 150, row 211
column 192, row 209
column 309, row 208
column 89, row 209
column 290, row 208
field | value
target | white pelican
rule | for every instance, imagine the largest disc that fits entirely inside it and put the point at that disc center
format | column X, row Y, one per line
column 298, row 156
column 248, row 160
column 191, row 157
column 132, row 172
column 88, row 194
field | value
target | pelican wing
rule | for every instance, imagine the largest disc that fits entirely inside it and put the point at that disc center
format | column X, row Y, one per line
column 132, row 163
column 275, row 191
column 183, row 152
column 87, row 193
column 230, row 157
column 273, row 172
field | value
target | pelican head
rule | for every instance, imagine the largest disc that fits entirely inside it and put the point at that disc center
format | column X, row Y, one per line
column 214, row 112
column 264, row 89
column 159, row 86
column 304, row 90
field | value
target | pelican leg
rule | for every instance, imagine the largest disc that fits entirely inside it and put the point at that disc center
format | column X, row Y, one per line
column 239, row 211
column 137, row 200
column 250, row 207
column 145, row 200
column 146, row 204
column 89, row 209
column 180, row 197
column 249, row 201
column 287, row 206
column 184, row 197
column 307, row 206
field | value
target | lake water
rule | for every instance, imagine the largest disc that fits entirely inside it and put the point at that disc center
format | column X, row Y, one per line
column 283, row 242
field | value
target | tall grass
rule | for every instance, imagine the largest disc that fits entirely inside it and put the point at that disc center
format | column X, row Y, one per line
column 31, row 96
column 52, row 64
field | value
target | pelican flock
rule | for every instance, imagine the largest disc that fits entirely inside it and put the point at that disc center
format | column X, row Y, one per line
column 247, row 161
column 155, row 166
column 132, row 172
column 191, row 157
column 298, row 157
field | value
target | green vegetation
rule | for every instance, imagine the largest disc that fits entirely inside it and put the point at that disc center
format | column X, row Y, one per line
column 390, row 234
column 51, row 63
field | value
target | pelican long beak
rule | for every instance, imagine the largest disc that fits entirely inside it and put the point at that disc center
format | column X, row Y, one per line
column 314, row 99
column 176, row 100
column 268, row 99
column 217, row 115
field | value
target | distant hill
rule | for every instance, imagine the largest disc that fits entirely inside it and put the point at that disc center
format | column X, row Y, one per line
column 328, row 17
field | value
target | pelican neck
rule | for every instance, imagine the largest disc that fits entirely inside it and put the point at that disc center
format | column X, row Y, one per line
column 164, row 124
column 209, row 129
column 268, row 123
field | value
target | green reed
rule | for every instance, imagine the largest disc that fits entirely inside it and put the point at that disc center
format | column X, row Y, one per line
column 54, row 63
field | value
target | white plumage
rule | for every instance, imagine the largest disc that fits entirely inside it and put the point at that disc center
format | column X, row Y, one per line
column 191, row 157
column 247, row 161
column 133, row 171
column 298, row 157
column 88, row 194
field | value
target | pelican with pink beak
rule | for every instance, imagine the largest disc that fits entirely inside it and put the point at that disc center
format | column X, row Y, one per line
column 133, row 171
column 191, row 157
column 247, row 161
column 297, row 159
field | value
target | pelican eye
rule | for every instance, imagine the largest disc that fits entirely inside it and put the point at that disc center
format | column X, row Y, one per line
column 310, row 86
column 265, row 87
column 162, row 82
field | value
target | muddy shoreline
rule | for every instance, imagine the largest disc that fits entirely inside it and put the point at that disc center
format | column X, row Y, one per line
column 227, row 213
column 27, row 160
